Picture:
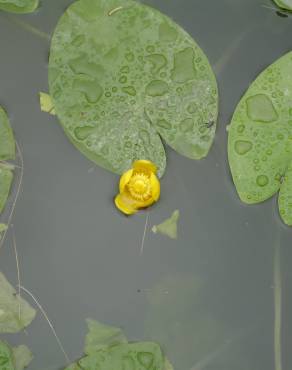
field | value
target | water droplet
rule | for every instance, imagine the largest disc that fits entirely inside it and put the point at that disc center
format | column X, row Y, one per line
column 150, row 48
column 130, row 90
column 125, row 69
column 130, row 57
column 114, row 89
column 242, row 147
column 156, row 88
column 91, row 89
column 262, row 180
column 184, row 69
column 108, row 94
column 123, row 79
column 158, row 61
column 261, row 109
column 240, row 128
column 280, row 137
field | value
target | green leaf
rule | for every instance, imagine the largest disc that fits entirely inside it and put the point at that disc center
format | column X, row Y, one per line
column 284, row 4
column 260, row 138
column 168, row 365
column 46, row 103
column 6, row 357
column 10, row 322
column 144, row 355
column 6, row 177
column 16, row 358
column 169, row 226
column 7, row 142
column 101, row 336
column 121, row 75
column 19, row 6
column 22, row 357
column 3, row 227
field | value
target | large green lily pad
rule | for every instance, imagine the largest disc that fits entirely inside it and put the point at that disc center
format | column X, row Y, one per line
column 19, row 6
column 15, row 313
column 284, row 4
column 7, row 152
column 260, row 139
column 121, row 75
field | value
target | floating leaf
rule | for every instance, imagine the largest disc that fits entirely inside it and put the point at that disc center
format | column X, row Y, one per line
column 101, row 336
column 284, row 4
column 144, row 355
column 19, row 6
column 3, row 227
column 22, row 357
column 10, row 322
column 6, row 178
column 169, row 226
column 107, row 348
column 260, row 139
column 16, row 358
column 46, row 103
column 121, row 75
column 7, row 142
column 7, row 151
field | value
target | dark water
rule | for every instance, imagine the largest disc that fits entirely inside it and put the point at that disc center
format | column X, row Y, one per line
column 207, row 297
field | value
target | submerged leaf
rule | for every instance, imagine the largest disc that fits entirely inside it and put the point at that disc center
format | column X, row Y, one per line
column 260, row 139
column 46, row 103
column 169, row 226
column 22, row 357
column 121, row 74
column 19, row 6
column 10, row 322
column 102, row 336
column 284, row 4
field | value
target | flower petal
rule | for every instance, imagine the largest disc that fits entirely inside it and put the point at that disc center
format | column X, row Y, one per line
column 126, row 177
column 155, row 187
column 144, row 165
column 126, row 204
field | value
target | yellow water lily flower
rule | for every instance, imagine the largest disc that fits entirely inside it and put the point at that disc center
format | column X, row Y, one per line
column 139, row 188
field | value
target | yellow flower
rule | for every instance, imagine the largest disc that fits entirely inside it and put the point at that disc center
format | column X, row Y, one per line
column 139, row 188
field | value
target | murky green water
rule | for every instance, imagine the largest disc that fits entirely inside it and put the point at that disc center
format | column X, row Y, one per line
column 208, row 297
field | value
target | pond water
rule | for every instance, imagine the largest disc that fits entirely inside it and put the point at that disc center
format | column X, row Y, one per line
column 207, row 297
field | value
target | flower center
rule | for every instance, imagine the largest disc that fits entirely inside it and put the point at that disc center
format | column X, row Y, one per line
column 139, row 186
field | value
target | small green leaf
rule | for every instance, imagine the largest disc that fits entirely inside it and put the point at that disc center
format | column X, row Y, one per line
column 169, row 226
column 260, row 139
column 101, row 336
column 19, row 6
column 7, row 142
column 121, row 76
column 10, row 322
column 22, row 357
column 284, row 4
column 6, row 177
column 3, row 227
column 46, row 103
column 6, row 357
